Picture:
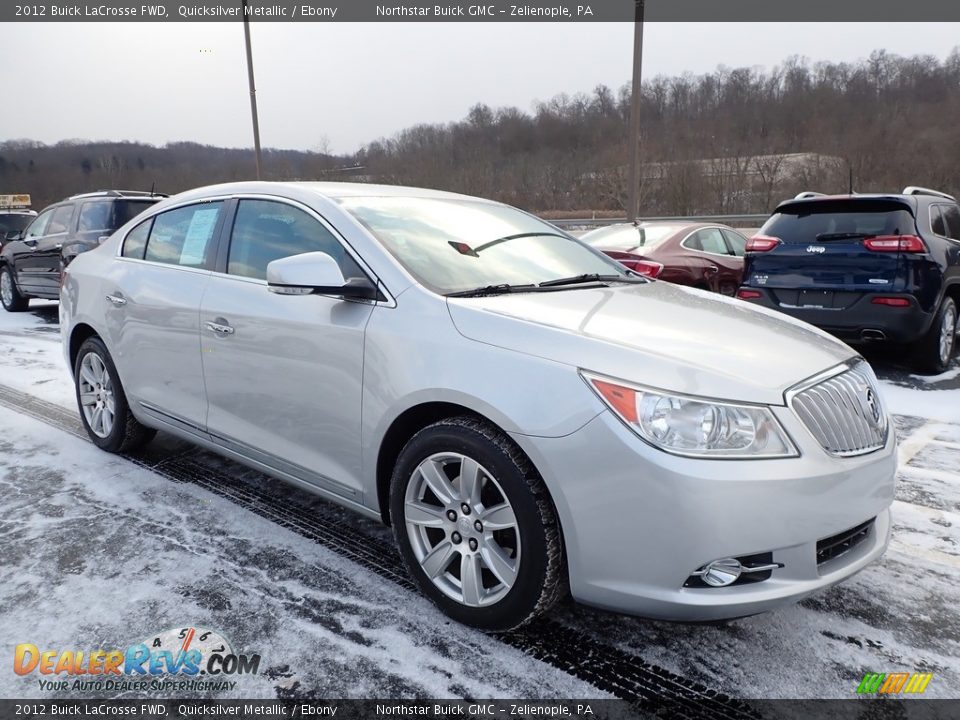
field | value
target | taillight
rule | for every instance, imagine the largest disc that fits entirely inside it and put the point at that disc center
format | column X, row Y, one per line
column 762, row 243
column 895, row 243
column 891, row 301
column 647, row 268
column 745, row 294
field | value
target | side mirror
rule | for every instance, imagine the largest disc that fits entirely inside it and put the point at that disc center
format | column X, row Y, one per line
column 316, row 273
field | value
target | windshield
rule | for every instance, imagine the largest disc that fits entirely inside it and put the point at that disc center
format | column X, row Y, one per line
column 13, row 222
column 630, row 237
column 458, row 245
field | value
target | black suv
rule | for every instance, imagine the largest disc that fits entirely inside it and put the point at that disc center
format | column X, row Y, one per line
column 866, row 268
column 32, row 261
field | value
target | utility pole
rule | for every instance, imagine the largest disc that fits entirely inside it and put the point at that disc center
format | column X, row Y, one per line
column 633, row 197
column 253, row 89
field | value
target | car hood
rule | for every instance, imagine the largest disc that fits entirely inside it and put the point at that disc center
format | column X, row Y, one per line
column 659, row 335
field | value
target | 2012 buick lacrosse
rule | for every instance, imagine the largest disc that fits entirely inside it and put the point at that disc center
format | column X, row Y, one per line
column 527, row 414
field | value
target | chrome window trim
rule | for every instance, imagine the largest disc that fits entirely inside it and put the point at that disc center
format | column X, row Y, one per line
column 153, row 263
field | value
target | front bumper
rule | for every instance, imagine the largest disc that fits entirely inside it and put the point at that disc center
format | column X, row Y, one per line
column 898, row 324
column 637, row 521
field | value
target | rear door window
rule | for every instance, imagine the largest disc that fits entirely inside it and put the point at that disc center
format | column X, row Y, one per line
column 136, row 242
column 184, row 236
column 710, row 240
column 806, row 222
column 94, row 216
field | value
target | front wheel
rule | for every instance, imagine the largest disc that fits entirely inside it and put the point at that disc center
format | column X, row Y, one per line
column 103, row 405
column 476, row 526
column 11, row 298
column 936, row 347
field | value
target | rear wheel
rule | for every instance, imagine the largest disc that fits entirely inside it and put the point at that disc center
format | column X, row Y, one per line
column 11, row 298
column 103, row 405
column 936, row 348
column 475, row 525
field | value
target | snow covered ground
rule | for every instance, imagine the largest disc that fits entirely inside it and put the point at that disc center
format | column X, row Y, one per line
column 102, row 551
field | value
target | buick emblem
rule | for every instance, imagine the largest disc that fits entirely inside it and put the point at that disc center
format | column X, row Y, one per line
column 816, row 249
column 870, row 400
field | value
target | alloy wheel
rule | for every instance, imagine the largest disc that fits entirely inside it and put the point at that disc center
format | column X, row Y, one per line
column 96, row 395
column 462, row 529
column 948, row 329
column 6, row 288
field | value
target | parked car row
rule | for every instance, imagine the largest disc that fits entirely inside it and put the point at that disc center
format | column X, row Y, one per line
column 531, row 415
column 877, row 268
column 34, row 254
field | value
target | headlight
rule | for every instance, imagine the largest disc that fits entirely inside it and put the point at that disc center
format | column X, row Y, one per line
column 695, row 427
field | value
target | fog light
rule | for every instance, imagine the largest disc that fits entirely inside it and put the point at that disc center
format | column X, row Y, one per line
column 721, row 573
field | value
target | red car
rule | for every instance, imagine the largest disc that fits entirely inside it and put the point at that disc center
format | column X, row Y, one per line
column 696, row 254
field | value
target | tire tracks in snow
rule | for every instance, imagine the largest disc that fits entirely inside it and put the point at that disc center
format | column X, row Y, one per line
column 606, row 667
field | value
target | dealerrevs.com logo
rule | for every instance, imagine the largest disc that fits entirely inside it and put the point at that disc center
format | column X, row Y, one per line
column 189, row 658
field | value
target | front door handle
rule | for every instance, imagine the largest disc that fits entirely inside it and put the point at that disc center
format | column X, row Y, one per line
column 117, row 300
column 220, row 328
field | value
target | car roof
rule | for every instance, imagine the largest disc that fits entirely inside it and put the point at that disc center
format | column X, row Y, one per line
column 329, row 190
column 910, row 200
column 17, row 211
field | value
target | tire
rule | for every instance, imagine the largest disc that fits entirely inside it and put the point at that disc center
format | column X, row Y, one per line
column 96, row 378
column 520, row 566
column 936, row 348
column 10, row 296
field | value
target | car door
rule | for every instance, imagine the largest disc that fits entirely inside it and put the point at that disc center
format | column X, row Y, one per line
column 38, row 267
column 152, row 300
column 707, row 259
column 18, row 252
column 283, row 373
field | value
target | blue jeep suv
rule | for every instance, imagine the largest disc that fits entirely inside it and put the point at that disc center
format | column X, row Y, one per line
column 866, row 268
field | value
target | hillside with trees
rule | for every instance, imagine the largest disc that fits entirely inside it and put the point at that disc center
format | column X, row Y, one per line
column 730, row 141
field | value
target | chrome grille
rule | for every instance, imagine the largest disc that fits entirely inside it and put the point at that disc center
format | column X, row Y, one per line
column 843, row 412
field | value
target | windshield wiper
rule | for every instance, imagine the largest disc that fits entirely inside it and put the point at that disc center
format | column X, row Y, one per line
column 507, row 238
column 824, row 237
column 591, row 278
column 502, row 289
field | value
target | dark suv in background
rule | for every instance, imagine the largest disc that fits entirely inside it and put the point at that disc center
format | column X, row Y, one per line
column 866, row 268
column 33, row 260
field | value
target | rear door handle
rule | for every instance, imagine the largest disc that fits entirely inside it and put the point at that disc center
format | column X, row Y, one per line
column 220, row 328
column 117, row 300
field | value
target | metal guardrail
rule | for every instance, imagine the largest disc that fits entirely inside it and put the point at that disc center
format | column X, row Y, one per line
column 751, row 220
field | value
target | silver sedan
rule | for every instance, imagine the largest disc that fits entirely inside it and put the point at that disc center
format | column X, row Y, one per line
column 528, row 414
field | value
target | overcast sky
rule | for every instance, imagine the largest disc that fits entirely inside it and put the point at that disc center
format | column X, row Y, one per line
column 349, row 84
